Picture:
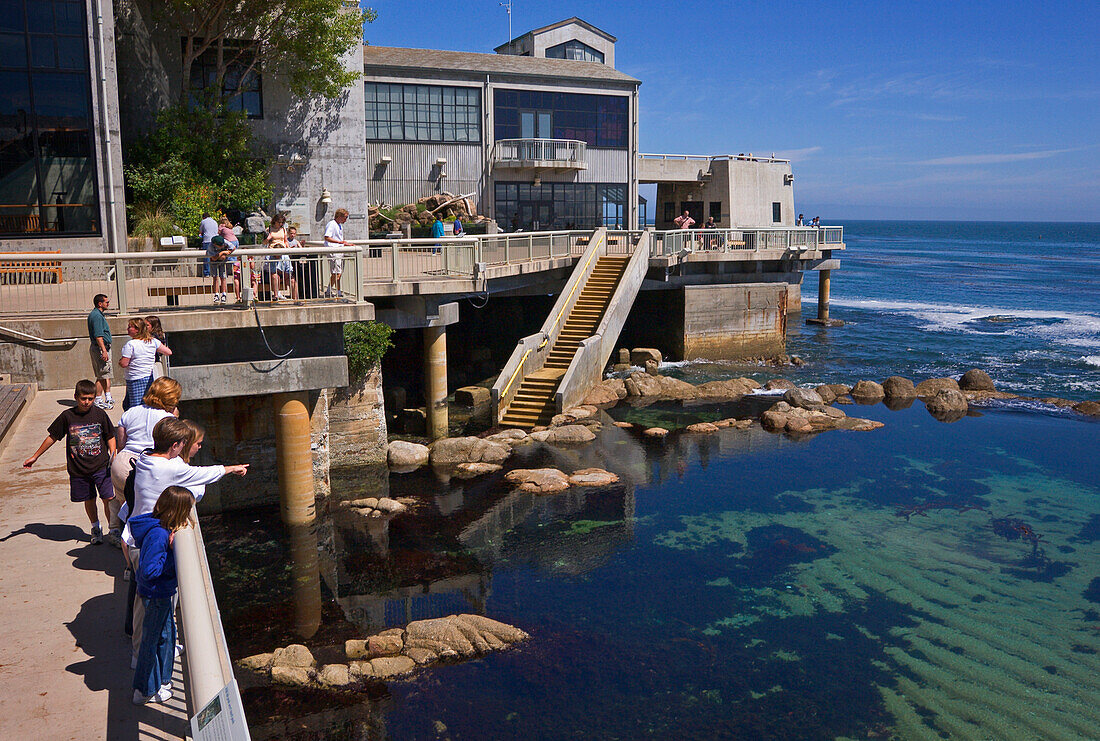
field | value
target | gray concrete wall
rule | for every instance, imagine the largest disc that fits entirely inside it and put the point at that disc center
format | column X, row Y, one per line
column 734, row 321
column 357, row 434
column 754, row 186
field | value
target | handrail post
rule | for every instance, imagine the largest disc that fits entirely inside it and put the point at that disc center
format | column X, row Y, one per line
column 120, row 287
column 360, row 272
column 530, row 247
column 393, row 256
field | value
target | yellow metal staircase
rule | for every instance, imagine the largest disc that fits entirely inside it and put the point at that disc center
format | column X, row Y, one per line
column 534, row 402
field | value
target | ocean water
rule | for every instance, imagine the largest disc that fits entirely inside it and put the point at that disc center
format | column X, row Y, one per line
column 927, row 299
column 924, row 580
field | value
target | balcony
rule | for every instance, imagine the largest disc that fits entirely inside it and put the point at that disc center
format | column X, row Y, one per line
column 541, row 154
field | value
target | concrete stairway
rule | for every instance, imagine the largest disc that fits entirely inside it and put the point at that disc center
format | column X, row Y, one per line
column 534, row 403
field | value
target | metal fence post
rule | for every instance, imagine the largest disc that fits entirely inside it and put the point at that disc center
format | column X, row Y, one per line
column 359, row 273
column 393, row 254
column 120, row 287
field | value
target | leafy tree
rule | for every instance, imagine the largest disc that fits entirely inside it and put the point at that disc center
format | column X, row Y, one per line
column 194, row 160
column 300, row 42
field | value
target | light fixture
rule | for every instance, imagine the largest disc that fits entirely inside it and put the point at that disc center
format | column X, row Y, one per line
column 442, row 173
column 326, row 197
column 385, row 160
column 441, row 161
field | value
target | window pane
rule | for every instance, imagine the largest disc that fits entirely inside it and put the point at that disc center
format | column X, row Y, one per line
column 69, row 17
column 40, row 16
column 13, row 49
column 18, row 176
column 70, row 52
column 11, row 15
column 42, row 51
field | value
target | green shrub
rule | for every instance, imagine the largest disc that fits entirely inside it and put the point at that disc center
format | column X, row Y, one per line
column 152, row 221
column 365, row 343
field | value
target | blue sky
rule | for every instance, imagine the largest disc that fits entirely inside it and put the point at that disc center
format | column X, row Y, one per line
column 931, row 110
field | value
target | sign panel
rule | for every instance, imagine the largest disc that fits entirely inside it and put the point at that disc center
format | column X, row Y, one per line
column 222, row 719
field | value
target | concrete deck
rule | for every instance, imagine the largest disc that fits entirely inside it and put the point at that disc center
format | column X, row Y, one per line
column 64, row 660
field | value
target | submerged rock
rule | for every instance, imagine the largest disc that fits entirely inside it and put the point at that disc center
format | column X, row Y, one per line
column 294, row 655
column 460, row 636
column 538, row 480
column 1091, row 408
column 702, row 428
column 782, row 417
column 592, row 477
column 976, row 380
column 566, row 435
column 656, row 432
column 294, row 676
column 897, row 387
column 334, row 675
column 473, row 470
column 389, row 667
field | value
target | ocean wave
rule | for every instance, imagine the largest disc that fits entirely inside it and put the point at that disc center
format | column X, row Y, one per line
column 1059, row 327
column 1091, row 360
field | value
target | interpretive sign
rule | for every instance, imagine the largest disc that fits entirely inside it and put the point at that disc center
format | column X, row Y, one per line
column 222, row 719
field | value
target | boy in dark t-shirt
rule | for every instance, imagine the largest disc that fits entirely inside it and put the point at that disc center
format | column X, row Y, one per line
column 90, row 444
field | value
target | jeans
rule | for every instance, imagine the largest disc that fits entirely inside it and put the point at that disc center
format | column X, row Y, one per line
column 158, row 647
column 206, row 260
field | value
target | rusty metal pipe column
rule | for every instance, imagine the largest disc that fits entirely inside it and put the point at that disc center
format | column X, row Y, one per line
column 294, row 458
column 435, row 380
column 823, row 278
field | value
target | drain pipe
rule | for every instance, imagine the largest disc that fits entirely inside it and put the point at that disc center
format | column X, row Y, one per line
column 108, row 166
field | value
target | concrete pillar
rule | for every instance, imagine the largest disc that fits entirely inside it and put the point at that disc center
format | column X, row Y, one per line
column 823, row 277
column 435, row 380
column 306, row 577
column 294, row 458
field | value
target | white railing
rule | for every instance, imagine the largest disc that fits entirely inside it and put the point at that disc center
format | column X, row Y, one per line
column 798, row 239
column 750, row 157
column 519, row 247
column 557, row 152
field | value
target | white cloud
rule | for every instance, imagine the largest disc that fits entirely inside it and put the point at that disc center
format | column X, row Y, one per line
column 993, row 159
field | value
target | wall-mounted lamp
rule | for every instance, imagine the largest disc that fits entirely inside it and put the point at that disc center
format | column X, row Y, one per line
column 441, row 161
column 442, row 174
column 385, row 160
column 326, row 197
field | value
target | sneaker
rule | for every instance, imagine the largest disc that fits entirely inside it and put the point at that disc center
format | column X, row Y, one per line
column 164, row 694
column 224, row 299
column 179, row 650
column 100, row 402
column 114, row 537
column 140, row 699
column 217, row 298
column 109, row 403
column 97, row 535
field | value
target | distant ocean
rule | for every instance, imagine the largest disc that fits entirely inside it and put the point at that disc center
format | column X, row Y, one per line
column 923, row 299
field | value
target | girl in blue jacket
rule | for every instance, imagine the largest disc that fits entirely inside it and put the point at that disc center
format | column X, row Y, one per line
column 156, row 584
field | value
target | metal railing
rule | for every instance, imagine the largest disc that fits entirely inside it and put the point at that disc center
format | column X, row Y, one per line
column 750, row 157
column 154, row 281
column 209, row 666
column 559, row 152
column 799, row 239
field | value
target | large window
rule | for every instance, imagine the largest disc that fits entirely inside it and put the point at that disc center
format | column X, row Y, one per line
column 574, row 50
column 599, row 120
column 47, row 167
column 560, row 206
column 423, row 113
column 242, row 89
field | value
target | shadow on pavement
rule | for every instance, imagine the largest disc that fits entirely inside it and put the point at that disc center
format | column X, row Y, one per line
column 56, row 533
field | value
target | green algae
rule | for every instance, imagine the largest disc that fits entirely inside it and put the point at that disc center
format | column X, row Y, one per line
column 584, row 527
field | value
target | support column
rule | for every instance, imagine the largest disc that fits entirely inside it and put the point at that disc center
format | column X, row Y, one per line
column 435, row 380
column 823, row 278
column 294, row 458
column 306, row 579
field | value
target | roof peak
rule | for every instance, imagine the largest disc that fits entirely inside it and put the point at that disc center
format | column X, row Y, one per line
column 579, row 21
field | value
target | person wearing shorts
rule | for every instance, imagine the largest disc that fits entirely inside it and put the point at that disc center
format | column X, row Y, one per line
column 218, row 251
column 99, row 333
column 90, row 445
column 334, row 235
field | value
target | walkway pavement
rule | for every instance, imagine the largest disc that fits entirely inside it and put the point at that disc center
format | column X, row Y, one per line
column 64, row 658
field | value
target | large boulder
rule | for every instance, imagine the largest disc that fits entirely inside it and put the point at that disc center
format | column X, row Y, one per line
column 825, row 391
column 948, row 405
column 569, row 434
column 459, row 636
column 976, row 380
column 867, row 392
column 932, row 386
column 334, row 675
column 455, row 450
column 538, row 480
column 804, row 398
column 897, row 387
column 472, row 396
column 293, row 676
column 639, row 355
column 294, row 655
column 734, row 388
column 779, row 383
column 606, row 392
column 407, row 456
column 643, row 384
column 839, row 389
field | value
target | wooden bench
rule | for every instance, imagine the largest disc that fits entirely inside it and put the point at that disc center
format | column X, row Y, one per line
column 173, row 293
column 29, row 267
column 12, row 399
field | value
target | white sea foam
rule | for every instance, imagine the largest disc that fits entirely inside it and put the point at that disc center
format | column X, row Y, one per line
column 1092, row 360
column 1076, row 329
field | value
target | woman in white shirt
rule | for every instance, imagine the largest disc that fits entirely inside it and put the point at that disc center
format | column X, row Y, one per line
column 139, row 355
